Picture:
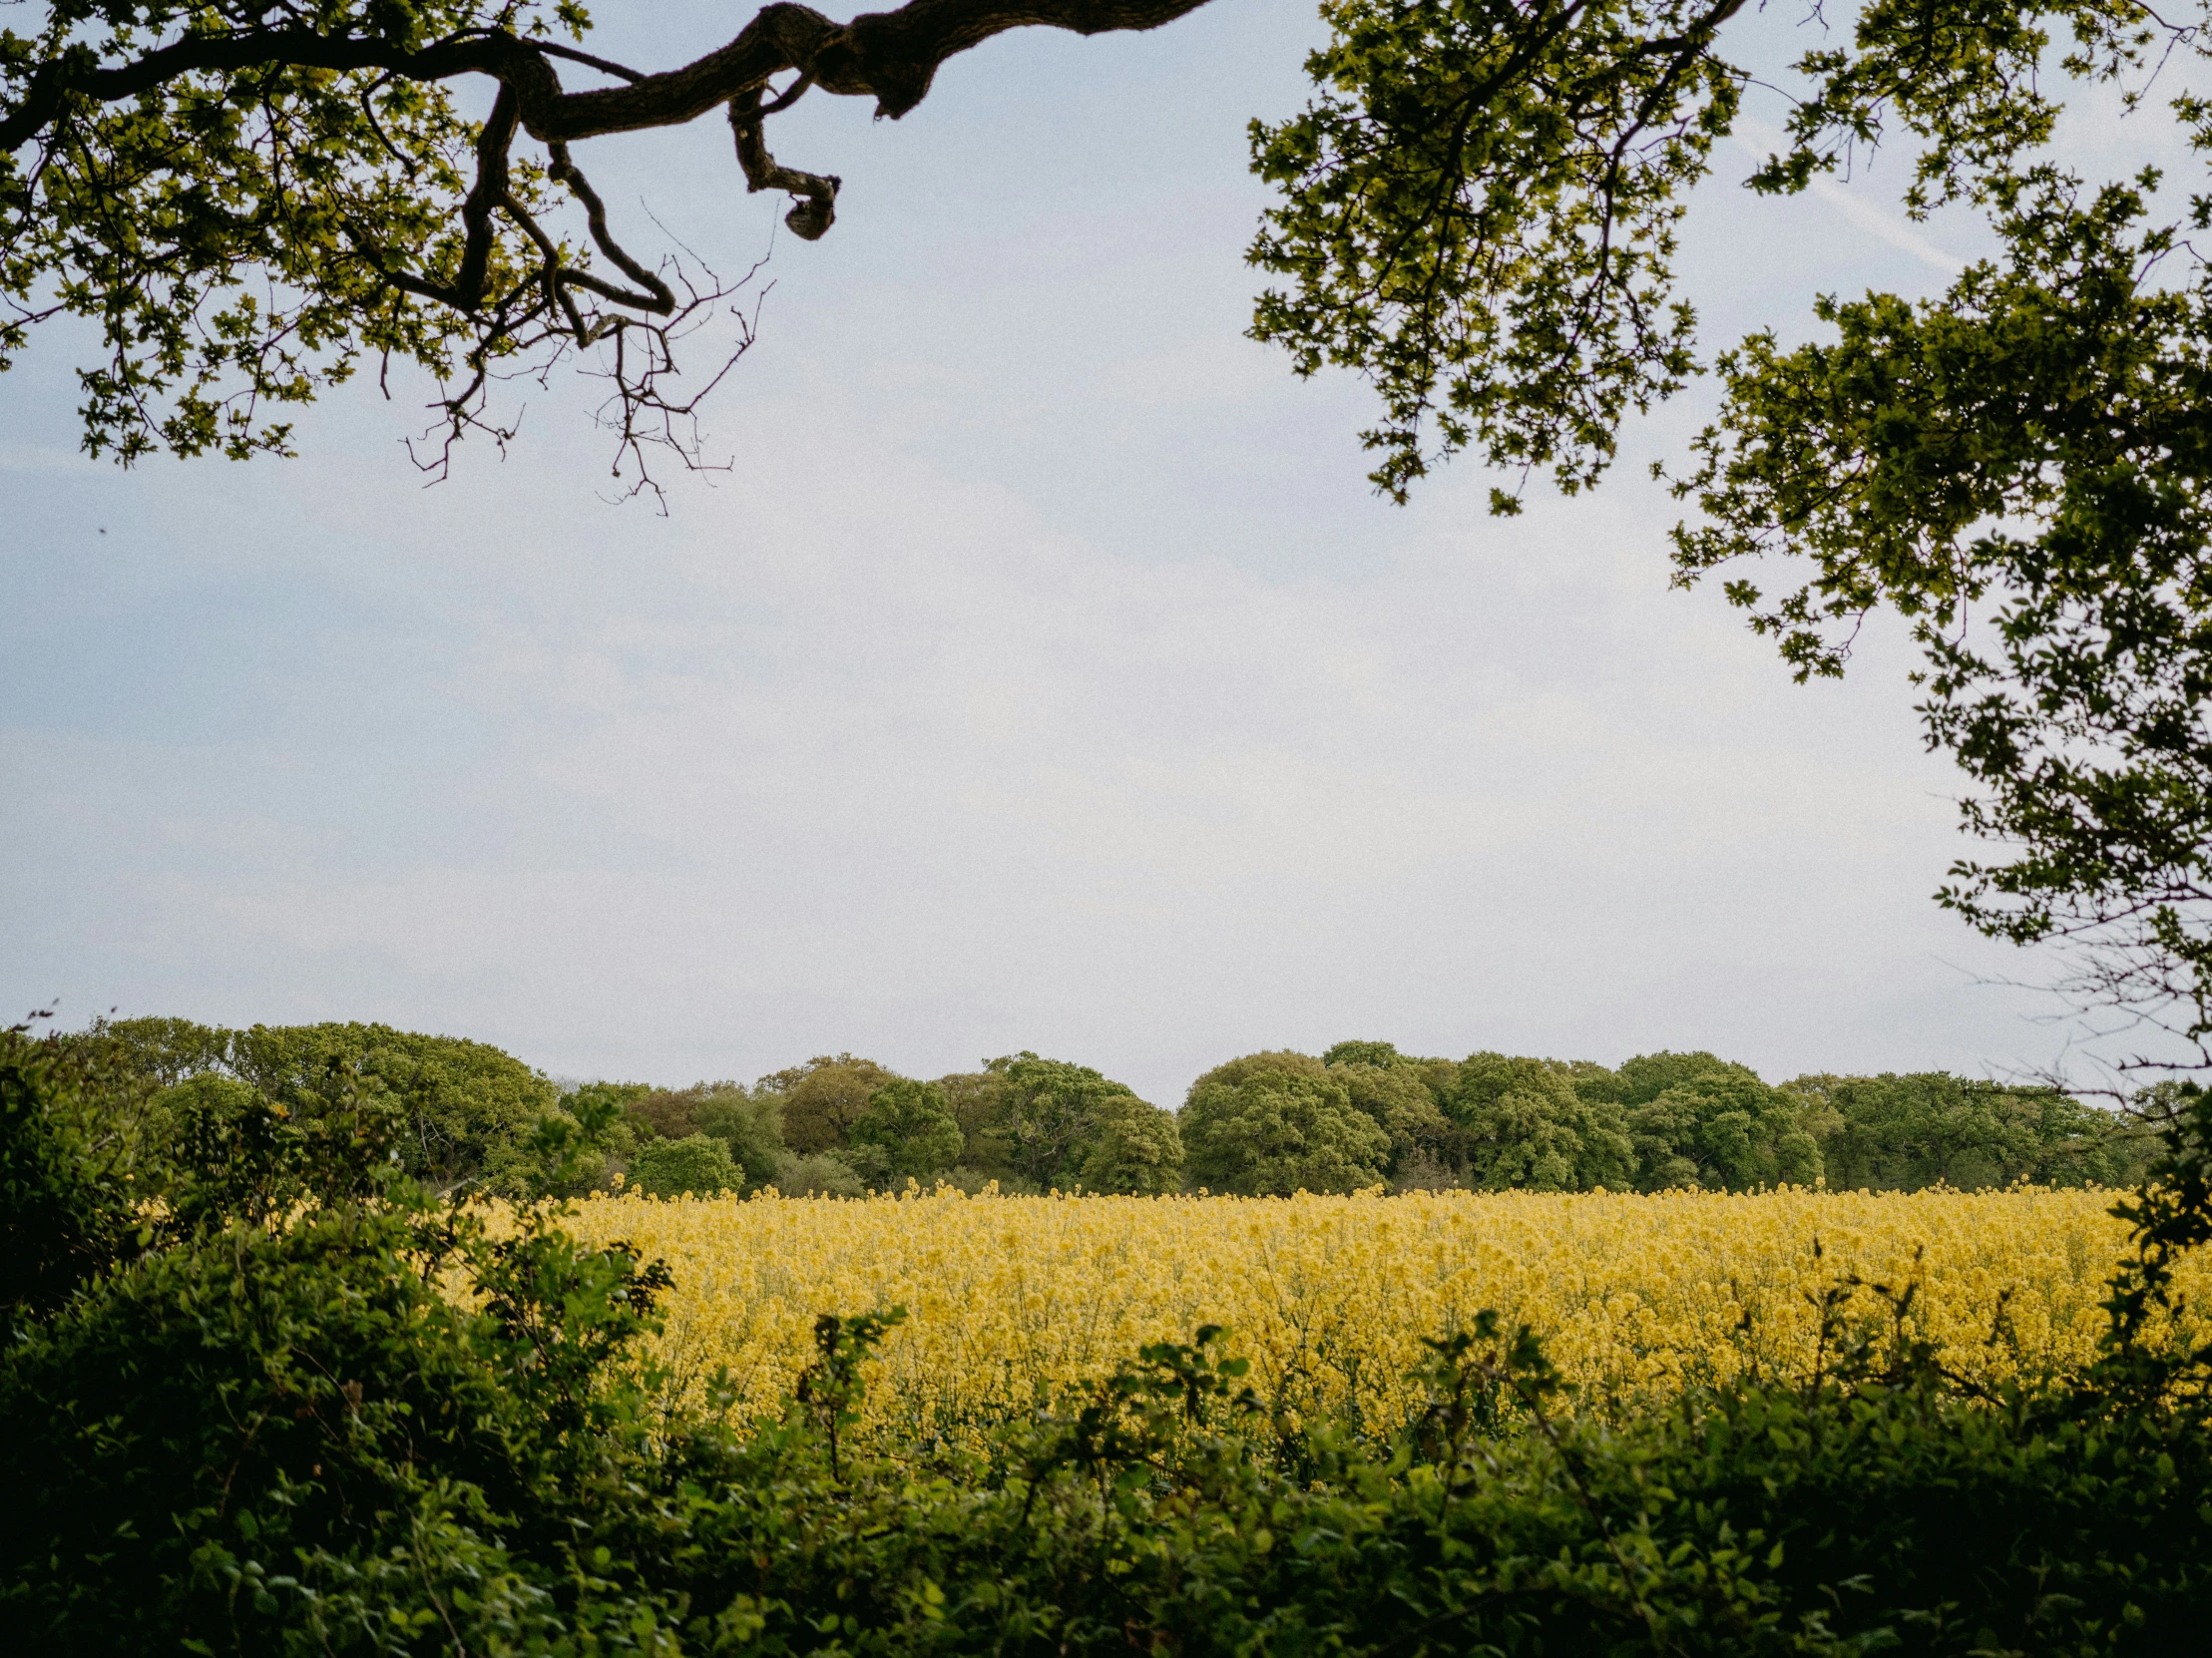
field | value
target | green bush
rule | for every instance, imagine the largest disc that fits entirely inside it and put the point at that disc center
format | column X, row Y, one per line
column 818, row 1174
column 697, row 1163
column 748, row 1122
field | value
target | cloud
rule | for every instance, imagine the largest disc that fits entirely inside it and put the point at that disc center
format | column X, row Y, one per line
column 1760, row 139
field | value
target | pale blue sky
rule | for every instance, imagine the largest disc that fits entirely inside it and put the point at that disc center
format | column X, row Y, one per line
column 1043, row 675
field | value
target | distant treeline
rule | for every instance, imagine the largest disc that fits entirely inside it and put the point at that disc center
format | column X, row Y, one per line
column 1359, row 1115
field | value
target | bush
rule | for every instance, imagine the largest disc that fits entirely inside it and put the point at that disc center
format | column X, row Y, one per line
column 820, row 1174
column 697, row 1163
column 748, row 1122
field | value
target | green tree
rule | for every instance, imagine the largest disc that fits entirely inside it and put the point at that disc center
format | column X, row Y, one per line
column 247, row 203
column 1723, row 1130
column 1479, row 212
column 1052, row 1118
column 1522, row 1125
column 824, row 1097
column 1271, row 1061
column 74, row 1164
column 1265, row 1132
column 748, row 1122
column 975, row 1097
column 162, row 1051
column 1397, row 1099
column 1648, row 1076
column 911, row 1125
column 1135, row 1150
column 469, row 1107
column 1382, row 1054
column 1902, row 1132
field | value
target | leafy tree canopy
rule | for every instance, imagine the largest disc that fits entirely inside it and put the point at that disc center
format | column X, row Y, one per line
column 1522, row 1125
column 469, row 1107
column 1892, row 1132
column 1253, row 1127
column 1648, row 1076
column 1135, row 1149
column 1057, row 1124
column 249, row 200
column 911, row 1125
column 696, row 1163
column 1479, row 209
column 824, row 1097
column 1722, row 1128
column 1399, row 1101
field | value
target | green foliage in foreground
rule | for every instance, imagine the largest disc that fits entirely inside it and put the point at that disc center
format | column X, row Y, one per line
column 258, row 1420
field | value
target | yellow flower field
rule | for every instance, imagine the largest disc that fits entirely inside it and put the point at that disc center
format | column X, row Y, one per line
column 1011, row 1301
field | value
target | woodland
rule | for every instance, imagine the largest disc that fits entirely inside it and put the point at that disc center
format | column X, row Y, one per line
column 1360, row 1115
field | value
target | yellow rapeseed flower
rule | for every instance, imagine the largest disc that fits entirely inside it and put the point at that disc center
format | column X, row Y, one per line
column 1012, row 1302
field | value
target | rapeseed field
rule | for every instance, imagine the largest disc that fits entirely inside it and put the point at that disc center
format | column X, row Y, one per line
column 1015, row 1302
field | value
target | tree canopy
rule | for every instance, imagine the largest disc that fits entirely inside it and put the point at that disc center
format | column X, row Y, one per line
column 467, row 1107
column 1480, row 210
column 463, row 1115
column 251, row 199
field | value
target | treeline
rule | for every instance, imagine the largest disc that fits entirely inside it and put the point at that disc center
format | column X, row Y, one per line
column 1359, row 1115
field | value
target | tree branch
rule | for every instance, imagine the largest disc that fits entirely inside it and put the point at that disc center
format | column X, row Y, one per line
column 889, row 55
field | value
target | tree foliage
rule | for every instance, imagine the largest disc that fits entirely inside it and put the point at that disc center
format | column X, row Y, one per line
column 1892, row 1132
column 250, row 202
column 1523, row 1125
column 824, row 1097
column 697, row 1164
column 1056, row 1123
column 468, row 1106
column 1251, row 1127
column 1478, row 211
column 911, row 1126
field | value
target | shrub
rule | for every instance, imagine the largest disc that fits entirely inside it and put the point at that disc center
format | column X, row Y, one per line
column 819, row 1174
column 696, row 1163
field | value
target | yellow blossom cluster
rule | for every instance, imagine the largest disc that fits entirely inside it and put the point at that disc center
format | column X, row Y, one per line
column 1013, row 1303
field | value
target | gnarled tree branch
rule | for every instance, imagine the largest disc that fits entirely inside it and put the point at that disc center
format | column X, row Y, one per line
column 363, row 257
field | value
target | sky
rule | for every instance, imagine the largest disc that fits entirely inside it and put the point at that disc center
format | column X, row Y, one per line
column 1043, row 673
